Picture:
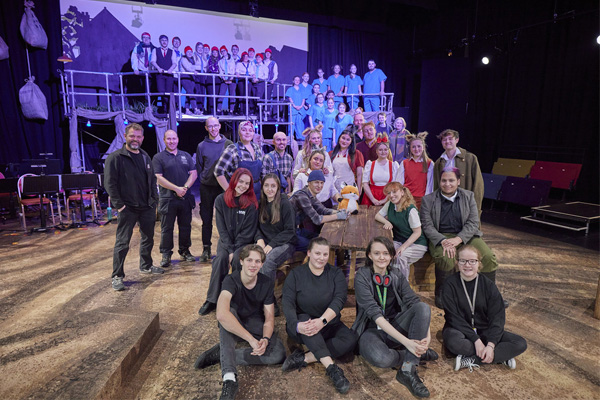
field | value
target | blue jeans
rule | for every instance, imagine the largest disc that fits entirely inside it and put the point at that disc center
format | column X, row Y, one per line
column 383, row 351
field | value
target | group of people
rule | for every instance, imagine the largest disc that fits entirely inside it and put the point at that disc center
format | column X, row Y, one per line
column 269, row 205
column 237, row 74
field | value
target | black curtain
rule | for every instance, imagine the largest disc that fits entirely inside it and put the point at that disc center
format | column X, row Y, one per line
column 24, row 138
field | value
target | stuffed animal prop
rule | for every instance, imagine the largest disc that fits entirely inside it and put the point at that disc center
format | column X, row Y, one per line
column 350, row 199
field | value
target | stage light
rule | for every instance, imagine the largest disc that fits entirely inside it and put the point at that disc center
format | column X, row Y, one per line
column 598, row 39
column 253, row 6
column 149, row 124
column 449, row 52
column 88, row 123
column 125, row 122
column 485, row 60
column 177, row 123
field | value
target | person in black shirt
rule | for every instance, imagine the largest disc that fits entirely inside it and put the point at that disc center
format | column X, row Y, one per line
column 475, row 316
column 313, row 297
column 175, row 174
column 237, row 219
column 131, row 184
column 392, row 322
column 245, row 312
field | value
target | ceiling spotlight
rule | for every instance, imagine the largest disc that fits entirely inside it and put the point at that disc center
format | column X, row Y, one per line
column 125, row 122
column 485, row 60
column 88, row 123
column 598, row 40
column 149, row 124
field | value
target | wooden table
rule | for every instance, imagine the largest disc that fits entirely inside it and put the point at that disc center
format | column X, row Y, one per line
column 354, row 234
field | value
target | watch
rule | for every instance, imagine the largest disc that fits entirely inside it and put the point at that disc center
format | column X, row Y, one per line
column 324, row 320
column 185, row 186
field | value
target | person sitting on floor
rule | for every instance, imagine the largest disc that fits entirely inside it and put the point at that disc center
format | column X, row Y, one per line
column 475, row 317
column 393, row 330
column 245, row 312
column 313, row 297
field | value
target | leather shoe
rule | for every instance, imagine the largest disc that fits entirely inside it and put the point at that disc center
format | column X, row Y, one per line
column 411, row 380
column 207, row 308
column 430, row 355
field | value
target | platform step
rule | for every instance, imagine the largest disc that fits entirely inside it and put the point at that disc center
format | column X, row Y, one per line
column 558, row 224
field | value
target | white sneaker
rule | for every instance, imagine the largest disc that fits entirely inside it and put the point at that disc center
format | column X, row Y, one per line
column 465, row 362
column 512, row 364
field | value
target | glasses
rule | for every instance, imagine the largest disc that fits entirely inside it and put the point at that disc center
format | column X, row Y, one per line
column 470, row 262
column 213, row 126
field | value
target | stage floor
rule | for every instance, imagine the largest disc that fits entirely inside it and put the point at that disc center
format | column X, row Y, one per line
column 55, row 292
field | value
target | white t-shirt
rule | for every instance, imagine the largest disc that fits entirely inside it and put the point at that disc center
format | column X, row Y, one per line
column 381, row 174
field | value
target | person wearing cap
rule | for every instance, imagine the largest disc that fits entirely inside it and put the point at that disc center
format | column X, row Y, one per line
column 272, row 74
column 165, row 62
column 226, row 75
column 252, row 55
column 212, row 84
column 190, row 83
column 310, row 212
column 245, row 70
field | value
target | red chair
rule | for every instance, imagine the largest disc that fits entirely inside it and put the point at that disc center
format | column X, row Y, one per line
column 562, row 175
column 32, row 201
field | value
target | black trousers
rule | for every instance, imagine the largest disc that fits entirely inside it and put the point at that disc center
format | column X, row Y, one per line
column 220, row 269
column 169, row 210
column 334, row 340
column 509, row 346
column 208, row 195
column 126, row 221
column 164, row 83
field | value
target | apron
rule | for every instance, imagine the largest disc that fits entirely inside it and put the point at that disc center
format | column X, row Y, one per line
column 255, row 168
column 376, row 191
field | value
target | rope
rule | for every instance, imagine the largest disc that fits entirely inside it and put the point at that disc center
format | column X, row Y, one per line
column 28, row 64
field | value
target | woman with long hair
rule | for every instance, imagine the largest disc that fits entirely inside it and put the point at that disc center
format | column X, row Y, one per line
column 236, row 213
column 313, row 297
column 313, row 141
column 398, row 144
column 400, row 215
column 347, row 163
column 378, row 173
column 475, row 317
column 416, row 172
column 391, row 321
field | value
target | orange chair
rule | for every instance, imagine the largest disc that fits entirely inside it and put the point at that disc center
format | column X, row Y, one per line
column 31, row 201
column 90, row 195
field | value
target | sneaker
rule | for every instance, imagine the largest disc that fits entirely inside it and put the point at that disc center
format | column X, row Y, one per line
column 205, row 257
column 430, row 355
column 465, row 362
column 413, row 382
column 229, row 391
column 152, row 270
column 336, row 375
column 117, row 284
column 187, row 256
column 512, row 364
column 294, row 361
column 210, row 357
column 166, row 260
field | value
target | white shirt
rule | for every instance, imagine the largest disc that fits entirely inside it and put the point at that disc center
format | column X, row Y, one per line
column 328, row 187
column 413, row 216
column 299, row 163
column 342, row 171
column 449, row 162
column 381, row 174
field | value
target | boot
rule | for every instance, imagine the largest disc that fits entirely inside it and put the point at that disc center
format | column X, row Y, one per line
column 166, row 260
column 205, row 257
column 440, row 278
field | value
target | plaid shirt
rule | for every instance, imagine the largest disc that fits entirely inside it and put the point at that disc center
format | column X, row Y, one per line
column 283, row 163
column 229, row 160
column 309, row 210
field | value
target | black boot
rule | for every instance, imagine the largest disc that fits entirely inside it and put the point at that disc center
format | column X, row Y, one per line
column 440, row 278
column 166, row 260
column 205, row 257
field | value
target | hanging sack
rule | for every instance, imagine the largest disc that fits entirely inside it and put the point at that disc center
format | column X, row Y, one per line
column 3, row 50
column 33, row 101
column 31, row 29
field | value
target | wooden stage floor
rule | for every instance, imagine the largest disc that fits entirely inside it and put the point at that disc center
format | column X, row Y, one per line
column 64, row 333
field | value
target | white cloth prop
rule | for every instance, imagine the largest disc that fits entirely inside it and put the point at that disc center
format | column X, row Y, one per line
column 32, row 31
column 33, row 101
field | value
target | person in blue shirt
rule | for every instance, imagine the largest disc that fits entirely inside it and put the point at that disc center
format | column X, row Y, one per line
column 353, row 85
column 316, row 89
column 341, row 121
column 321, row 79
column 329, row 124
column 374, row 82
column 295, row 96
column 336, row 83
column 316, row 113
column 307, row 90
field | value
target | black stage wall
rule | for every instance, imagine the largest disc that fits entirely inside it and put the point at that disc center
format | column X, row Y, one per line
column 541, row 88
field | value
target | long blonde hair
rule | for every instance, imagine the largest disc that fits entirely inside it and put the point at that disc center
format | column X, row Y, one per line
column 420, row 136
column 307, row 149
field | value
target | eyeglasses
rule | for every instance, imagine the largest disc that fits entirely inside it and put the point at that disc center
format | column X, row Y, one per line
column 470, row 262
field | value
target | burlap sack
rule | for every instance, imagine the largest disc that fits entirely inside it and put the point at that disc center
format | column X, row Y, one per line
column 33, row 101
column 3, row 50
column 32, row 31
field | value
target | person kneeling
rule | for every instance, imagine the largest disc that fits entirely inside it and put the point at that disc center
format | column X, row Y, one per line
column 475, row 316
column 245, row 311
column 394, row 330
column 313, row 297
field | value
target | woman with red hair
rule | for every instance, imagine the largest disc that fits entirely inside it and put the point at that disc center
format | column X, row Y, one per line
column 236, row 213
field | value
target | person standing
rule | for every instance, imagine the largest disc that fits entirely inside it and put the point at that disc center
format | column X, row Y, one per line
column 453, row 156
column 227, row 75
column 175, row 174
column 165, row 62
column 131, row 184
column 245, row 311
column 279, row 162
column 207, row 155
column 353, row 85
column 374, row 82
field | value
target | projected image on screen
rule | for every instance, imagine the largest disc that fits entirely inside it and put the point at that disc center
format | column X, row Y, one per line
column 101, row 35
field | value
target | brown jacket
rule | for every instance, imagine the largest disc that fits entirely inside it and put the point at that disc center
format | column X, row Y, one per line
column 470, row 174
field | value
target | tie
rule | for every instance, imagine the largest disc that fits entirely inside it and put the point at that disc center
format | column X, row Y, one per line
column 164, row 53
column 146, row 57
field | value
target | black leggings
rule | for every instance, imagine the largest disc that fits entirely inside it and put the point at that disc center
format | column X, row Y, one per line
column 509, row 345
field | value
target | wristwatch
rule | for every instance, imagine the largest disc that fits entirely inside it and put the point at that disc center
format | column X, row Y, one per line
column 324, row 320
column 186, row 187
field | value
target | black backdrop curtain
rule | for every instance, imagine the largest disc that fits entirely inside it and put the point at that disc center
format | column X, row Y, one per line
column 22, row 138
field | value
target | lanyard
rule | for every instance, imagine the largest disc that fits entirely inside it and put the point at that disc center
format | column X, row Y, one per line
column 383, row 299
column 384, row 281
column 471, row 305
